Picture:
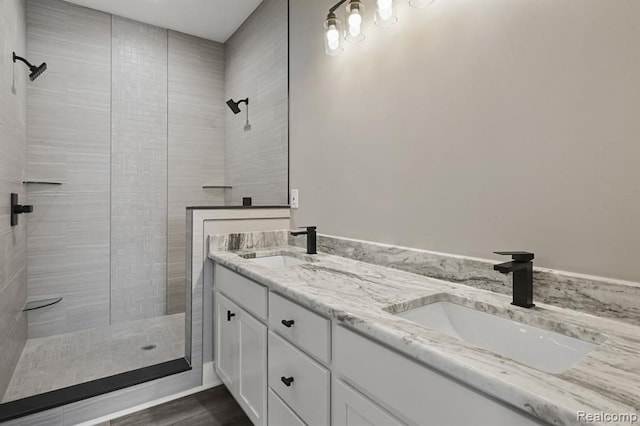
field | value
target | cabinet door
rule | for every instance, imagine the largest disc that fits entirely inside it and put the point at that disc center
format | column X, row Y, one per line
column 252, row 377
column 227, row 342
column 280, row 414
column 350, row 408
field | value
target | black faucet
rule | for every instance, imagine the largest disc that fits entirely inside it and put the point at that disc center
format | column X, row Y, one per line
column 522, row 268
column 311, row 238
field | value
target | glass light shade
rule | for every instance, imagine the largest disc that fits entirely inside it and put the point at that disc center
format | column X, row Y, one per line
column 355, row 21
column 385, row 13
column 332, row 36
column 420, row 3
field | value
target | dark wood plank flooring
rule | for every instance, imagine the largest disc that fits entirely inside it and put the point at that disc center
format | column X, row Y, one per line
column 213, row 407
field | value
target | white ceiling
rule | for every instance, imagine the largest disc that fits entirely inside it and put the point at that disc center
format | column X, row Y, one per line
column 211, row 19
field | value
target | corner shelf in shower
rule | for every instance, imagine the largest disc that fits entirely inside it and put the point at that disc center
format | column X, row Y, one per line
column 39, row 304
column 41, row 182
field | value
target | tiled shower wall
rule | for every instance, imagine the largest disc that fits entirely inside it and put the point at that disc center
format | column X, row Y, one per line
column 138, row 170
column 111, row 119
column 256, row 66
column 69, row 115
column 196, row 148
column 13, row 144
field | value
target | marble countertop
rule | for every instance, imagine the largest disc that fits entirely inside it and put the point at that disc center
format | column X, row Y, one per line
column 362, row 296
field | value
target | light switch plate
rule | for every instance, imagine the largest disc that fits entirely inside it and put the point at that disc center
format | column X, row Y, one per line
column 294, row 198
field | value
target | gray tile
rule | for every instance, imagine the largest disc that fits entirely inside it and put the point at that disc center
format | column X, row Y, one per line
column 256, row 66
column 54, row 362
column 13, row 147
column 196, row 143
column 138, row 171
column 69, row 141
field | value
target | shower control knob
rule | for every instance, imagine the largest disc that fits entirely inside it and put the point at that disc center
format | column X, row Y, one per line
column 19, row 209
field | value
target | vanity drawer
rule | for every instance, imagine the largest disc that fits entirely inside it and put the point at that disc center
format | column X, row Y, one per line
column 249, row 294
column 413, row 392
column 308, row 393
column 280, row 414
column 306, row 329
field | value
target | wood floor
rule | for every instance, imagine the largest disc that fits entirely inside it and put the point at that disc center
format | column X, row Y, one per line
column 214, row 407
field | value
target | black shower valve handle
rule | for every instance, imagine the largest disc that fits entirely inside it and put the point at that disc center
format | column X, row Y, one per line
column 19, row 209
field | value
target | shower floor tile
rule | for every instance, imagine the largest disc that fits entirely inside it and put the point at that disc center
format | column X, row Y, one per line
column 55, row 362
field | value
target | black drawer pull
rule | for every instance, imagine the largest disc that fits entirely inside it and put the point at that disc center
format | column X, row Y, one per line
column 286, row 380
column 230, row 315
column 288, row 323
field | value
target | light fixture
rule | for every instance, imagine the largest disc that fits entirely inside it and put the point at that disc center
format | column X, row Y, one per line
column 420, row 3
column 385, row 13
column 332, row 35
column 355, row 21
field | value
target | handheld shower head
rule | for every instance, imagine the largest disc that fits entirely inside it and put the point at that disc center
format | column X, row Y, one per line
column 35, row 70
column 235, row 106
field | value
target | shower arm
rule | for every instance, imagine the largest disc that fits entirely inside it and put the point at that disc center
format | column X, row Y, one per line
column 19, row 58
column 336, row 6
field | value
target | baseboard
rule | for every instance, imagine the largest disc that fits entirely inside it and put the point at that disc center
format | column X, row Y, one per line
column 209, row 380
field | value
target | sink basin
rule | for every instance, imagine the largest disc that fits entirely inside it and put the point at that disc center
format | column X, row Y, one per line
column 545, row 350
column 279, row 261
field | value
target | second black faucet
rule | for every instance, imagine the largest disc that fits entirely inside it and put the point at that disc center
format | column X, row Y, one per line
column 522, row 267
column 311, row 238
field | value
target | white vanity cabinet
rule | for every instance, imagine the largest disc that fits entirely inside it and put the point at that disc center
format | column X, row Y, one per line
column 302, row 370
column 350, row 408
column 241, row 352
column 413, row 392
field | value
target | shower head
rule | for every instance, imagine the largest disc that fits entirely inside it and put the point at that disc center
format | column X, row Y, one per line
column 35, row 70
column 234, row 106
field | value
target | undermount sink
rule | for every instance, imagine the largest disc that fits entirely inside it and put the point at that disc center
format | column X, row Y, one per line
column 278, row 261
column 536, row 347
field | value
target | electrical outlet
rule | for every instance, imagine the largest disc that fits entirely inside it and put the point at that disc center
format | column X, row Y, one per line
column 294, row 198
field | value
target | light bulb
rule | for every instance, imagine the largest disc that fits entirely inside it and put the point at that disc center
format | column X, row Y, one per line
column 420, row 3
column 355, row 22
column 333, row 37
column 385, row 15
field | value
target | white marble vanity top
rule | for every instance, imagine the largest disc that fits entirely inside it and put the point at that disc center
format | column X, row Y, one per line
column 363, row 297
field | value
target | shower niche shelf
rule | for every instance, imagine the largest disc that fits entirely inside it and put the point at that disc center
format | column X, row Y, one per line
column 41, row 182
column 39, row 304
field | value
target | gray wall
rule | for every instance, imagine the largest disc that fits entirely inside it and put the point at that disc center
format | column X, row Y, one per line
column 138, row 170
column 196, row 143
column 13, row 146
column 471, row 127
column 69, row 116
column 256, row 67
column 120, row 118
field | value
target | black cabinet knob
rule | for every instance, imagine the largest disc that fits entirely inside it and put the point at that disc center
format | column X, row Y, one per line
column 288, row 323
column 230, row 315
column 286, row 380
